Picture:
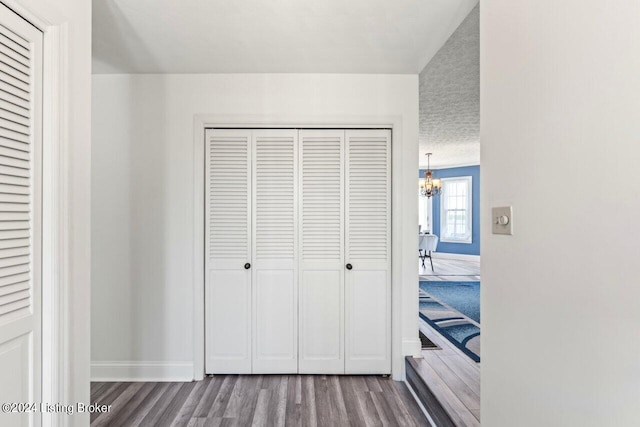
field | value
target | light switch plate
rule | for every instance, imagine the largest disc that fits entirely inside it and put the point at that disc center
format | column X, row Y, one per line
column 502, row 220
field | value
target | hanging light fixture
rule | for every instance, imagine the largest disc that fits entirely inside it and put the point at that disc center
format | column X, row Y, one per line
column 430, row 186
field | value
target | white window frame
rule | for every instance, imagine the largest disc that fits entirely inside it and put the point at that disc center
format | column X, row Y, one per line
column 425, row 209
column 443, row 223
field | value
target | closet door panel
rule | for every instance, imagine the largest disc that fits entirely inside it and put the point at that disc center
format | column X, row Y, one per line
column 275, row 328
column 321, row 220
column 322, row 305
column 368, row 240
column 21, row 184
column 228, row 328
column 367, row 335
column 275, row 296
column 228, row 249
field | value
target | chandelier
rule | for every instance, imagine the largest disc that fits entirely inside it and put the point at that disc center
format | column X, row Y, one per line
column 430, row 186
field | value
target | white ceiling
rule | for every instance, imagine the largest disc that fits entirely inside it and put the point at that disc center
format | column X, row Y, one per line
column 450, row 99
column 271, row 36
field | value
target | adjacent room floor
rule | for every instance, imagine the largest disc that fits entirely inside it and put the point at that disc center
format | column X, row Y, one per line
column 259, row 400
column 450, row 270
column 452, row 377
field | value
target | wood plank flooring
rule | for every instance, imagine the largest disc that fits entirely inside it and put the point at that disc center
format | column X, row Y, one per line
column 450, row 270
column 259, row 400
column 452, row 377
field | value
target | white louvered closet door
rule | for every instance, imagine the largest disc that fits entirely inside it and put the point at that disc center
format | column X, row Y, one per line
column 228, row 251
column 368, row 254
column 20, row 214
column 274, row 270
column 321, row 214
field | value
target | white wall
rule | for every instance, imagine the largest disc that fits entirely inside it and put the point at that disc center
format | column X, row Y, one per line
column 142, row 200
column 560, row 85
column 73, row 19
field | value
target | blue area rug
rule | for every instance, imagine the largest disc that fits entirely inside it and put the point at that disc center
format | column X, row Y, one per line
column 463, row 296
column 447, row 307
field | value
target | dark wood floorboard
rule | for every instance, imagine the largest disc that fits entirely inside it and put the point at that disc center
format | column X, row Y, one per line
column 260, row 400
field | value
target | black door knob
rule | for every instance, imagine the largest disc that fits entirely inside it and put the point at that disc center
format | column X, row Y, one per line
column 349, row 266
column 247, row 266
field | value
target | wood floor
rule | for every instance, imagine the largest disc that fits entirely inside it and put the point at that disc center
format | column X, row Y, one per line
column 259, row 400
column 450, row 270
column 452, row 377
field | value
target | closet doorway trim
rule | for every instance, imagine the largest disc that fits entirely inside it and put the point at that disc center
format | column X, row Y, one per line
column 203, row 122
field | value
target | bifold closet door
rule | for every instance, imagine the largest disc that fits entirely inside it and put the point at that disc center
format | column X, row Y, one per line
column 368, row 252
column 321, row 220
column 21, row 60
column 298, row 251
column 228, row 251
column 274, row 277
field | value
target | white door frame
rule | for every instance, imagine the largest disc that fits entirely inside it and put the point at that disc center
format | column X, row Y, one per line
column 201, row 122
column 56, row 371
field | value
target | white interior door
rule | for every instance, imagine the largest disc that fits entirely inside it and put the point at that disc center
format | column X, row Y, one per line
column 274, row 270
column 20, row 215
column 228, row 251
column 321, row 213
column 368, row 242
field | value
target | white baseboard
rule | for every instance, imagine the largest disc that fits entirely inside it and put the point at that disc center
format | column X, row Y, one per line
column 141, row 371
column 411, row 347
column 444, row 255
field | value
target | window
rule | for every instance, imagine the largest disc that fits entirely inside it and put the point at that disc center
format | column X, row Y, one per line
column 425, row 212
column 455, row 210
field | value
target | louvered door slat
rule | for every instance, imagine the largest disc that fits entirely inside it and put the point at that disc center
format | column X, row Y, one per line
column 13, row 261
column 12, row 91
column 368, row 239
column 9, row 54
column 9, row 40
column 14, row 127
column 16, row 287
column 15, row 68
column 228, row 248
column 14, row 78
column 14, row 113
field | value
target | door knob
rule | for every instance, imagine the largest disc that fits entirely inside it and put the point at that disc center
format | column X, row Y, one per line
column 349, row 266
column 247, row 266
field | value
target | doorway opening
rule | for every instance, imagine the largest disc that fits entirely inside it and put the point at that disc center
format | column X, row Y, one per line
column 447, row 377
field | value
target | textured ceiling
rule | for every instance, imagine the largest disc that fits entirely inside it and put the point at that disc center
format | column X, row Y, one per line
column 450, row 99
column 274, row 36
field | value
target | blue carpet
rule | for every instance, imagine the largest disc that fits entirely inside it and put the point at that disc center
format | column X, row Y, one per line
column 463, row 296
column 444, row 306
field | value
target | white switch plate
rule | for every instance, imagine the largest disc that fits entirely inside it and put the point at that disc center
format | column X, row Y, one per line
column 496, row 214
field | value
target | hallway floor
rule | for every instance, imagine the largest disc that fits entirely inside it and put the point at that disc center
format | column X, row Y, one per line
column 452, row 377
column 450, row 270
column 259, row 400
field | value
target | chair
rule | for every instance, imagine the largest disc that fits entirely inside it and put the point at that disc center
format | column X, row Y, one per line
column 427, row 243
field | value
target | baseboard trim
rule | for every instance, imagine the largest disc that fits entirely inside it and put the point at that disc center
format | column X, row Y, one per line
column 412, row 348
column 141, row 371
column 464, row 257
